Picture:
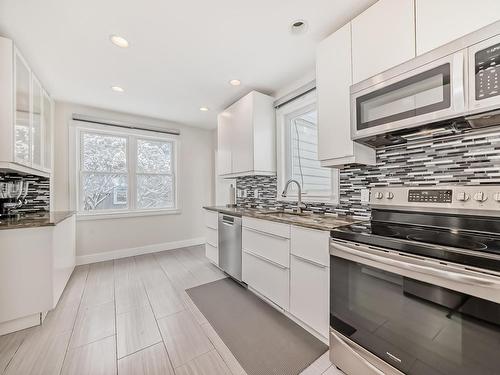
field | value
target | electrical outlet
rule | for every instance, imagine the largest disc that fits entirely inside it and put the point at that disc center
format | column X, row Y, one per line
column 256, row 193
column 365, row 195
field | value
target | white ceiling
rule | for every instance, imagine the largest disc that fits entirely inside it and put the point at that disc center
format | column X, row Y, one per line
column 182, row 53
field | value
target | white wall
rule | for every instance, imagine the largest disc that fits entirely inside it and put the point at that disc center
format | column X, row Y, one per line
column 195, row 184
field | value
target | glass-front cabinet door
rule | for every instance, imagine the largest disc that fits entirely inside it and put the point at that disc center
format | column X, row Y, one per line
column 36, row 123
column 22, row 116
column 47, row 131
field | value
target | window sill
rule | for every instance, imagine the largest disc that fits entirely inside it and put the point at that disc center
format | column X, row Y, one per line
column 127, row 214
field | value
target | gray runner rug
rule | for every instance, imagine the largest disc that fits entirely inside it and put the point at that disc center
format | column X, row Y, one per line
column 263, row 340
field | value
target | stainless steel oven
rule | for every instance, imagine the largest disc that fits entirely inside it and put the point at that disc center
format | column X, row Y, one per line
column 416, row 291
column 443, row 86
column 411, row 315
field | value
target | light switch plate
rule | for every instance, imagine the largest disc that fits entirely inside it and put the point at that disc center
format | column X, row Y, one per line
column 365, row 195
column 256, row 193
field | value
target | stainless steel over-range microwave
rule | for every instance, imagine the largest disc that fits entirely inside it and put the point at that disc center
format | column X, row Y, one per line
column 457, row 80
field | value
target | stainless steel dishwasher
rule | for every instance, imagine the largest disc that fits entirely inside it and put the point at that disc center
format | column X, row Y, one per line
column 230, row 245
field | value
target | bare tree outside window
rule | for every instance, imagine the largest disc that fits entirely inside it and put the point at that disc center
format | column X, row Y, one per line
column 105, row 172
column 154, row 174
column 104, row 169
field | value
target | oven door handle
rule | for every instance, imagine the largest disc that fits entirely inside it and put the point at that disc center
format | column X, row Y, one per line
column 355, row 354
column 455, row 275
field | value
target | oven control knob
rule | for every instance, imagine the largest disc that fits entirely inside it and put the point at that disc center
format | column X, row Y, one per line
column 480, row 197
column 389, row 195
column 497, row 197
column 379, row 195
column 463, row 196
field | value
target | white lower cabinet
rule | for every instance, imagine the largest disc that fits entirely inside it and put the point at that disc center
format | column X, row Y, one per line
column 266, row 259
column 309, row 287
column 289, row 266
column 212, row 253
column 35, row 266
column 268, row 278
column 211, row 236
column 310, row 278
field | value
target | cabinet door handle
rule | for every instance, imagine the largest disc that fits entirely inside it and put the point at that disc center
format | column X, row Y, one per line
column 266, row 234
column 309, row 261
column 265, row 259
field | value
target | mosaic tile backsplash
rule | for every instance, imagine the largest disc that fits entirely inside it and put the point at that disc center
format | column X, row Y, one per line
column 38, row 198
column 472, row 158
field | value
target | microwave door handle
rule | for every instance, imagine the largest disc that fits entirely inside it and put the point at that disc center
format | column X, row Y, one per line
column 458, row 82
column 449, row 275
column 355, row 354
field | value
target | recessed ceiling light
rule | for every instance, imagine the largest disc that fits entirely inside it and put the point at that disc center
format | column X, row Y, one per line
column 119, row 41
column 298, row 27
column 235, row 82
column 204, row 109
column 117, row 88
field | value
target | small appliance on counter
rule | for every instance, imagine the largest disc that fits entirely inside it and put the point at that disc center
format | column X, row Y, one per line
column 12, row 197
column 416, row 291
column 232, row 196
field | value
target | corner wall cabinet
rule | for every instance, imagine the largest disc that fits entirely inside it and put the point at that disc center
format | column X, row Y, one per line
column 26, row 116
column 333, row 78
column 246, row 137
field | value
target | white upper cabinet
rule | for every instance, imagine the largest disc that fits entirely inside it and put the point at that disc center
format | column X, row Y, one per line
column 246, row 137
column 383, row 36
column 26, row 116
column 333, row 78
column 22, row 111
column 48, row 144
column 36, row 122
column 440, row 22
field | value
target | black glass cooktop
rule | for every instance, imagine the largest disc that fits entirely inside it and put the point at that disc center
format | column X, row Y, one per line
column 464, row 247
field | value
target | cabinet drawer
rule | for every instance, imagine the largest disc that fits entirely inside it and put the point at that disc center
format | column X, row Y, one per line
column 309, row 293
column 271, row 227
column 310, row 244
column 269, row 279
column 211, row 218
column 212, row 236
column 212, row 253
column 269, row 246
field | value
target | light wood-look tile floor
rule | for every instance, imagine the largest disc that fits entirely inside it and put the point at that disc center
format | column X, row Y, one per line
column 130, row 316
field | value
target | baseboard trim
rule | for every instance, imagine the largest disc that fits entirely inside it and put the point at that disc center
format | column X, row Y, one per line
column 124, row 253
column 19, row 324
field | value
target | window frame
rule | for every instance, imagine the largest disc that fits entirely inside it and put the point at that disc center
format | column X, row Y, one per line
column 301, row 104
column 76, row 131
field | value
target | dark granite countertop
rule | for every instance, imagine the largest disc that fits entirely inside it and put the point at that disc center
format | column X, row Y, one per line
column 308, row 220
column 42, row 219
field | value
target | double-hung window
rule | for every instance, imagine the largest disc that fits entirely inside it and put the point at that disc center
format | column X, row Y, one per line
column 297, row 123
column 122, row 171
